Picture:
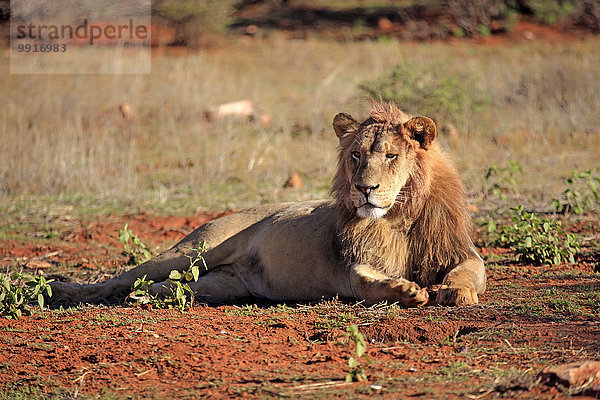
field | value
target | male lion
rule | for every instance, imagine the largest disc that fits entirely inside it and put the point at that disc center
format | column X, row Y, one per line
column 396, row 225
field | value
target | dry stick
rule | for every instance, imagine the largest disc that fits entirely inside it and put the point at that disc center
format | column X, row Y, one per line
column 48, row 255
column 315, row 386
column 143, row 373
column 511, row 346
column 80, row 379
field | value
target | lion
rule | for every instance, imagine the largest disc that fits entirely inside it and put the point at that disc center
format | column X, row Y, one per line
column 396, row 224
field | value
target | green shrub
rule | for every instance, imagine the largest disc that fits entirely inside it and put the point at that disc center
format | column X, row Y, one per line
column 18, row 291
column 484, row 30
column 581, row 193
column 502, row 180
column 431, row 90
column 534, row 239
column 551, row 11
column 458, row 32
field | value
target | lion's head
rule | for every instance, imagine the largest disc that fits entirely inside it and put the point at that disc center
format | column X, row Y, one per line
column 381, row 159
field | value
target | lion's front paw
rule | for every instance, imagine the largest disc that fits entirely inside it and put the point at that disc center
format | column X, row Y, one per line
column 413, row 295
column 456, row 295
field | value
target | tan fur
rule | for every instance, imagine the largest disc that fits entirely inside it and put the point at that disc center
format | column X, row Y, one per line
column 397, row 224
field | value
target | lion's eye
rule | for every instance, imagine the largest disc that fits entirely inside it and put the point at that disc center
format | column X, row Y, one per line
column 356, row 155
column 391, row 156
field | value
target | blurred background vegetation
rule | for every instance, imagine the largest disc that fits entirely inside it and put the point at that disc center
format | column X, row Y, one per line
column 509, row 82
column 405, row 19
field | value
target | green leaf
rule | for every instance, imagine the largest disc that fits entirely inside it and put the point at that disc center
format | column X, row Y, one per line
column 352, row 362
column 557, row 259
column 175, row 275
column 361, row 347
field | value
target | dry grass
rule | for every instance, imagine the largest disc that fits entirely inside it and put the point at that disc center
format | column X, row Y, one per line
column 545, row 114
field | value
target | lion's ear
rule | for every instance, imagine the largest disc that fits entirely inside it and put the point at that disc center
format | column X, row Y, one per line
column 344, row 124
column 421, row 129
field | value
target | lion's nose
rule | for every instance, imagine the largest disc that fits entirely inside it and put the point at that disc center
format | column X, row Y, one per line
column 366, row 190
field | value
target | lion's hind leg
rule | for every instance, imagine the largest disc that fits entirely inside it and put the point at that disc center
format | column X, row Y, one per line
column 220, row 285
column 157, row 269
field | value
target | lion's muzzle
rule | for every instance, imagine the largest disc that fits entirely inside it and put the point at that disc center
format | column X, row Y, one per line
column 366, row 190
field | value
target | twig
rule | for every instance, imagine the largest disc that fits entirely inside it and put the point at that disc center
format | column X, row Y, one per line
column 80, row 379
column 144, row 373
column 511, row 346
column 48, row 255
column 316, row 386
column 392, row 348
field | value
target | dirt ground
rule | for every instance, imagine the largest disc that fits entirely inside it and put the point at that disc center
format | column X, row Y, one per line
column 531, row 317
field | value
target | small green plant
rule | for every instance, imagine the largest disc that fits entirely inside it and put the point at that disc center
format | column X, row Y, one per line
column 535, row 239
column 19, row 291
column 581, row 193
column 484, row 30
column 133, row 248
column 502, row 180
column 179, row 288
column 458, row 32
column 177, row 284
column 356, row 370
column 140, row 291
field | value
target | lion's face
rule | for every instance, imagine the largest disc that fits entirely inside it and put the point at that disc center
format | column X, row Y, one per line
column 377, row 160
column 378, row 169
